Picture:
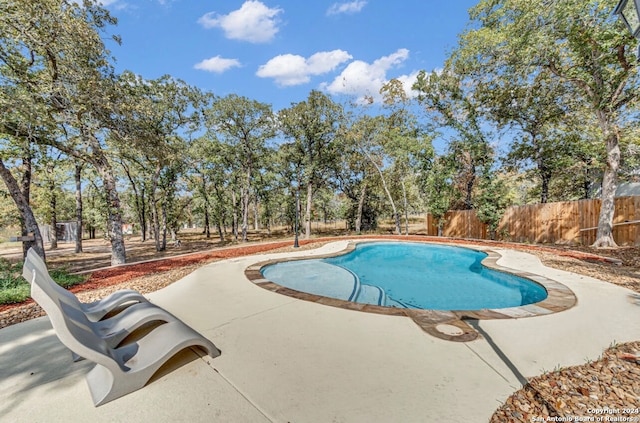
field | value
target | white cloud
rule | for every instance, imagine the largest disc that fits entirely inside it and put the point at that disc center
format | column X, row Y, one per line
column 253, row 22
column 361, row 79
column 292, row 69
column 351, row 7
column 407, row 83
column 217, row 64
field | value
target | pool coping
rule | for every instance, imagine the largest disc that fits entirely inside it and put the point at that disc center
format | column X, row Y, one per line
column 449, row 325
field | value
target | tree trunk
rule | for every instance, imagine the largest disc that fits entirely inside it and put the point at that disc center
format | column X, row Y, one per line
column 25, row 187
column 143, row 216
column 139, row 201
column 307, row 213
column 545, row 176
column 22, row 203
column 78, row 177
column 544, row 194
column 363, row 193
column 468, row 200
column 256, row 215
column 244, row 193
column 604, row 235
column 220, row 233
column 114, row 211
column 163, row 243
column 155, row 214
column 586, row 188
column 54, row 217
column 207, row 224
column 406, row 208
column 114, row 216
column 586, row 183
column 235, row 215
column 396, row 218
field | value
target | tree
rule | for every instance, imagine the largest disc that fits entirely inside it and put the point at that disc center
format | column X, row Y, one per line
column 79, row 206
column 21, row 125
column 268, row 189
column 145, row 128
column 312, row 126
column 207, row 176
column 491, row 201
column 52, row 177
column 22, row 203
column 578, row 42
column 404, row 141
column 137, row 196
column 369, row 135
column 356, row 178
column 52, row 53
column 534, row 106
column 451, row 103
column 244, row 126
column 436, row 184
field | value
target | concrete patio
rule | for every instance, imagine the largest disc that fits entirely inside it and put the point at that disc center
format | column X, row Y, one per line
column 288, row 360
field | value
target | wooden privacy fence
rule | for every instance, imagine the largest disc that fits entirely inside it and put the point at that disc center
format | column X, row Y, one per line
column 566, row 222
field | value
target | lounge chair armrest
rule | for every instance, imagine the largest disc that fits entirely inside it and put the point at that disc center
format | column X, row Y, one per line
column 98, row 309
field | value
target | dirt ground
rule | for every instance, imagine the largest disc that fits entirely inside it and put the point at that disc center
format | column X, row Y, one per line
column 96, row 253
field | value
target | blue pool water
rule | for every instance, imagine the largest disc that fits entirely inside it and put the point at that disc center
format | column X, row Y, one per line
column 408, row 275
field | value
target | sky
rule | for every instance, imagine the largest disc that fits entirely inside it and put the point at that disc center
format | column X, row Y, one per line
column 277, row 51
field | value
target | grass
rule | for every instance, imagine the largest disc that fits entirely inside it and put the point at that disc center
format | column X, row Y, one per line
column 15, row 289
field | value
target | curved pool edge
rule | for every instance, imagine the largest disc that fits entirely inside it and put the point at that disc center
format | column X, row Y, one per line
column 448, row 325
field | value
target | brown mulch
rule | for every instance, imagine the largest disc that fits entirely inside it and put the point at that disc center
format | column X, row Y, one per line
column 612, row 382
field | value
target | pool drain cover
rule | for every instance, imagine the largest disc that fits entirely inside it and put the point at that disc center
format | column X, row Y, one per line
column 449, row 329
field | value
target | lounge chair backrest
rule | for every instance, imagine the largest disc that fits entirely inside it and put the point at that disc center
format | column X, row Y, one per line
column 53, row 288
column 95, row 311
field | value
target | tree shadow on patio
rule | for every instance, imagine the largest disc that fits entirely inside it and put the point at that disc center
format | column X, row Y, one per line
column 33, row 356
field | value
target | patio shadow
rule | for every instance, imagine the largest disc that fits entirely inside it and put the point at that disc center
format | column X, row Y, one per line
column 476, row 325
column 32, row 356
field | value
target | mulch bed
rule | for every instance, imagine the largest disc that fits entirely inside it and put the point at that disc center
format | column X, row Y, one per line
column 581, row 391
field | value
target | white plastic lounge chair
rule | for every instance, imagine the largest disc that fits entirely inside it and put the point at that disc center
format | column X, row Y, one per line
column 113, row 329
column 96, row 310
column 121, row 370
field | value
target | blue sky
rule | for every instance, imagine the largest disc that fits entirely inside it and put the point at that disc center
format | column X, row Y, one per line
column 277, row 51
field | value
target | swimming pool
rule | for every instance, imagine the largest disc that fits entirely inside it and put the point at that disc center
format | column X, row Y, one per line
column 408, row 275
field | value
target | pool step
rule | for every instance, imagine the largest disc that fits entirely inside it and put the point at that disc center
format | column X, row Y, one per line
column 371, row 295
column 395, row 303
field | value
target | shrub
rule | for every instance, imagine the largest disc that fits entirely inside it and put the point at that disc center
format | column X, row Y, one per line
column 10, row 275
column 14, row 295
column 64, row 278
column 14, row 289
